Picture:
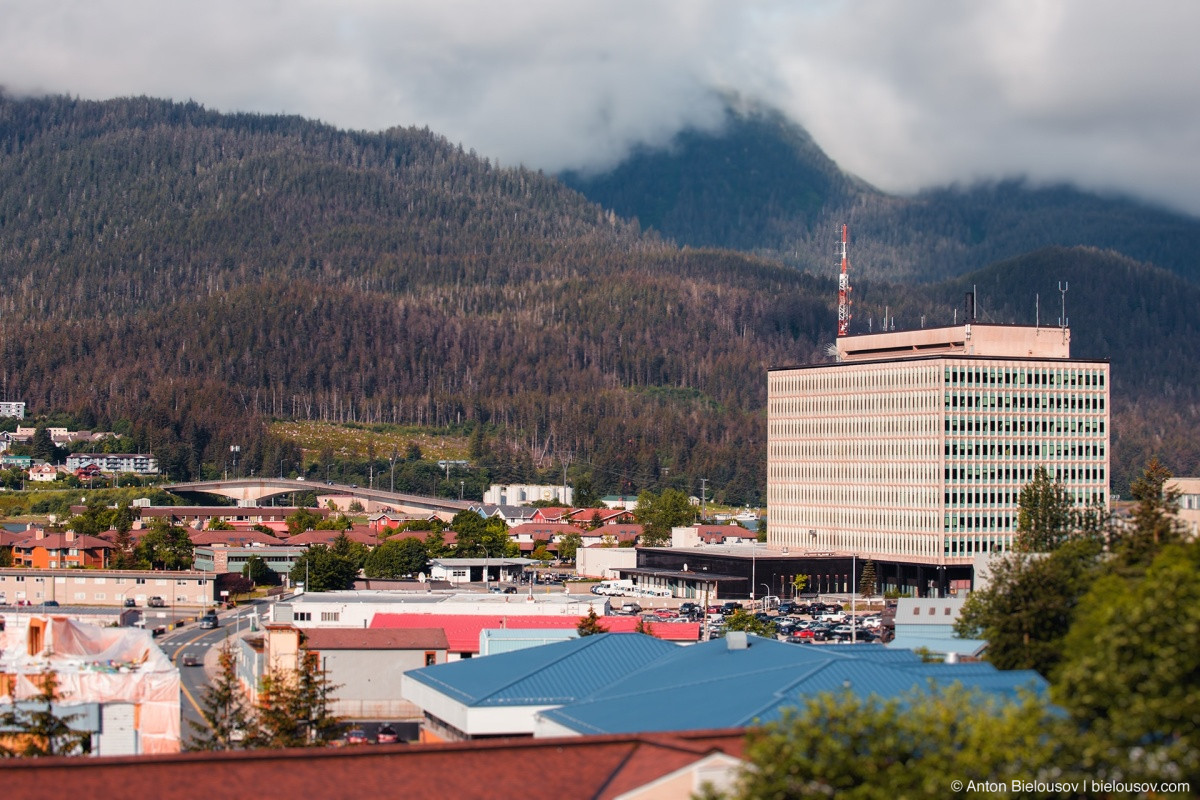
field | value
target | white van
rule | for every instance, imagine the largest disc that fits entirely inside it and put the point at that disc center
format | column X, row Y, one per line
column 652, row 592
column 613, row 588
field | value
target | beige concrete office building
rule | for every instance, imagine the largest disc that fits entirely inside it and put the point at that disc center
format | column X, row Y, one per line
column 913, row 446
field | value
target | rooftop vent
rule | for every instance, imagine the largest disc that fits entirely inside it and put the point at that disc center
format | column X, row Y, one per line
column 736, row 640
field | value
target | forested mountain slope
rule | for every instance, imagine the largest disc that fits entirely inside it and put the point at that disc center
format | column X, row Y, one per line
column 155, row 253
column 761, row 184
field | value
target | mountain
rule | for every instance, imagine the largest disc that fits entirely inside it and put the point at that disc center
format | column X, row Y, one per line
column 755, row 184
column 760, row 184
column 184, row 276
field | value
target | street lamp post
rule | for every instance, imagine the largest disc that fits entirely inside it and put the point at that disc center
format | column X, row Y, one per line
column 853, row 599
column 486, row 567
column 234, row 451
column 753, row 572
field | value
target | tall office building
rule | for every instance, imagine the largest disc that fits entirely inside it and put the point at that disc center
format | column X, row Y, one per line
column 912, row 448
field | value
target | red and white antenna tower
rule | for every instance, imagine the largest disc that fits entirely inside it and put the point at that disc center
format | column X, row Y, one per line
column 844, row 291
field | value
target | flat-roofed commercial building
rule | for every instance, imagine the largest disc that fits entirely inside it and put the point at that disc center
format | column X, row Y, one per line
column 913, row 447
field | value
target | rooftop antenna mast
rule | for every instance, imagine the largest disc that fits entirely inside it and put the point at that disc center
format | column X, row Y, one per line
column 844, row 291
column 1062, row 321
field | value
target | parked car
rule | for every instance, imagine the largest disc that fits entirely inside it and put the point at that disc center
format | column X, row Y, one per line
column 50, row 603
column 799, row 637
column 130, row 602
column 688, row 608
column 191, row 660
column 356, row 736
column 631, row 608
column 730, row 607
column 387, row 735
column 156, row 602
column 210, row 620
column 786, row 607
column 664, row 613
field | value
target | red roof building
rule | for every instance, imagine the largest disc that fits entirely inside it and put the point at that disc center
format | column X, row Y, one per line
column 59, row 550
column 462, row 630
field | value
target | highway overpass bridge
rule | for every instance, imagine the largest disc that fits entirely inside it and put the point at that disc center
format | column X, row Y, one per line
column 251, row 491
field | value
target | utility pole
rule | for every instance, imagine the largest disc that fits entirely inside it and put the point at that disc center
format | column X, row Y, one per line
column 703, row 499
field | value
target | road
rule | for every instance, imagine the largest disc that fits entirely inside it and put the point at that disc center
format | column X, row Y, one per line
column 191, row 640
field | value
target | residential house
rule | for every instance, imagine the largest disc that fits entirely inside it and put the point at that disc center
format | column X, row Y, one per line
column 510, row 515
column 528, row 535
column 615, row 535
column 60, row 550
column 553, row 514
column 393, row 520
column 43, row 473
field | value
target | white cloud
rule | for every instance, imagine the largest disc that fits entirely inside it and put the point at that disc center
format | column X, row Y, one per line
column 904, row 95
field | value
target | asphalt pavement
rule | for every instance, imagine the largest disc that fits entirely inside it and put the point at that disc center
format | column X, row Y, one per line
column 204, row 645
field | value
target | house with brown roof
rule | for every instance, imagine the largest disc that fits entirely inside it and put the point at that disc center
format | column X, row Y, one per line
column 365, row 664
column 57, row 550
column 528, row 535
column 616, row 535
column 43, row 473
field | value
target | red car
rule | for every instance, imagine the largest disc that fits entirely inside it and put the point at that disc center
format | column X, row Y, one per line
column 664, row 613
column 801, row 636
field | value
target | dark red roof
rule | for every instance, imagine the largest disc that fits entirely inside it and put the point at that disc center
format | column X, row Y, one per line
column 235, row 538
column 366, row 537
column 375, row 639
column 59, row 541
column 601, row 767
column 536, row 529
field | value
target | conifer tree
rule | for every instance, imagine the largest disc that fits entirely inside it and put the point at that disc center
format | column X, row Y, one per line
column 226, row 716
column 589, row 624
column 40, row 731
column 868, row 583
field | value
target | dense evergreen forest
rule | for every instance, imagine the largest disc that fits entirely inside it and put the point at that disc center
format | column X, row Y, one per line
column 760, row 184
column 184, row 276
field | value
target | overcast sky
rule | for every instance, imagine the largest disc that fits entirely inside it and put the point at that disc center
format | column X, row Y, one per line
column 906, row 94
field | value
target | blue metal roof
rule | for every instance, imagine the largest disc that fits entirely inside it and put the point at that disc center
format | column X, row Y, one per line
column 712, row 686
column 554, row 673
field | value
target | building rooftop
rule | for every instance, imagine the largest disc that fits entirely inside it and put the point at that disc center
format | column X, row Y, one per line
column 429, row 638
column 463, row 630
column 716, row 681
column 552, row 674
column 603, row 768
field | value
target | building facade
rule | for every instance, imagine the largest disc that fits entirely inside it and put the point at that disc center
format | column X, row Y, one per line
column 517, row 494
column 101, row 587
column 138, row 463
column 914, row 446
column 12, row 409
